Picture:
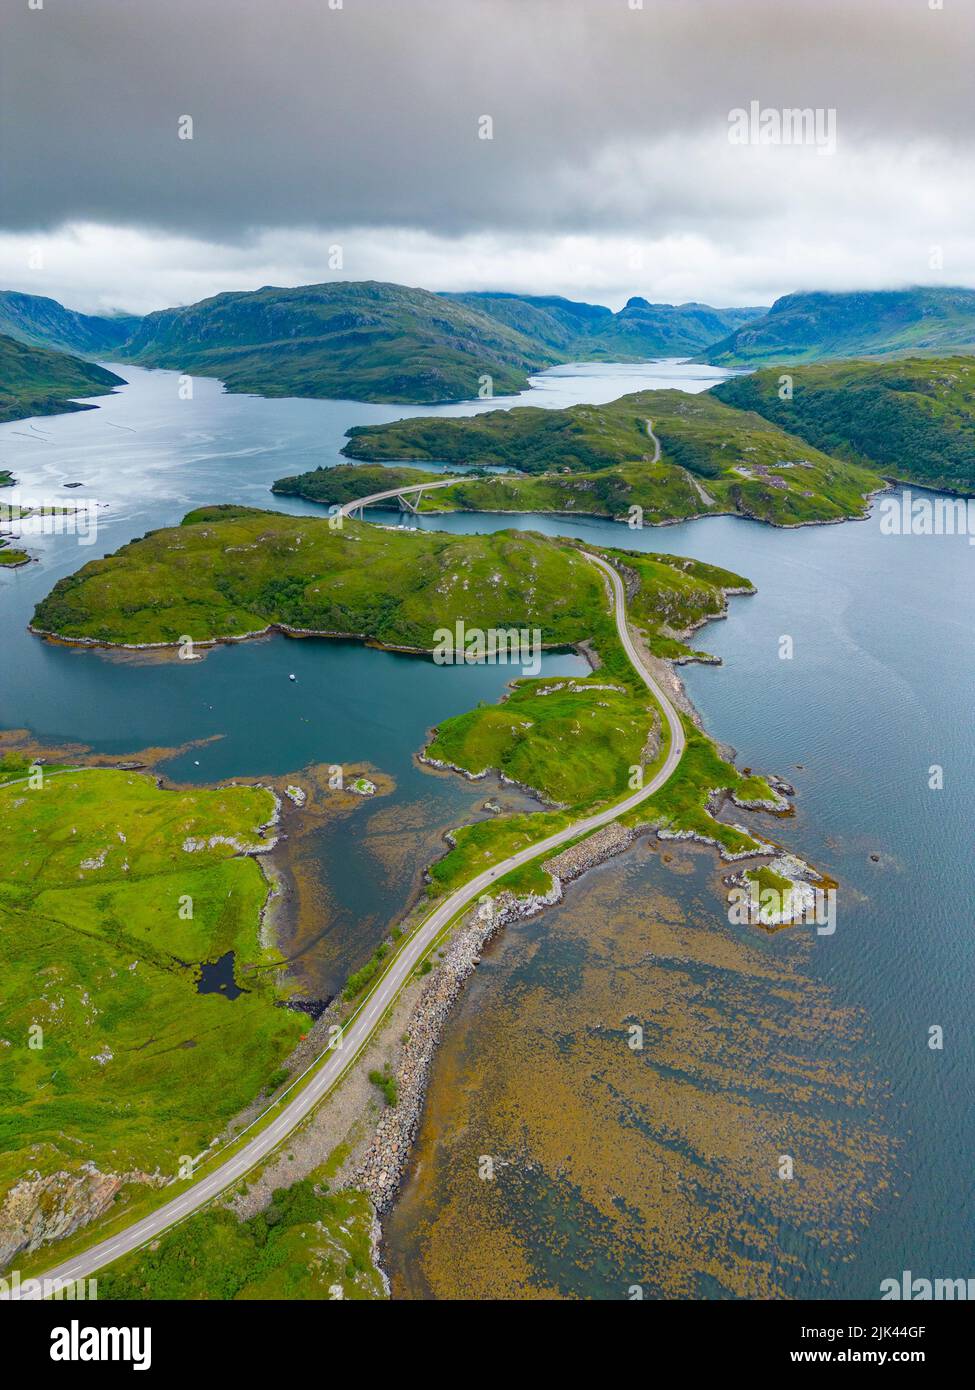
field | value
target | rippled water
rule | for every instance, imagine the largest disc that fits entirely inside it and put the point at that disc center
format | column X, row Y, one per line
column 877, row 693
column 879, row 689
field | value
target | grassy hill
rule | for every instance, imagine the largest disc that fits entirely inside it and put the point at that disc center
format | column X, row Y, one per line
column 42, row 322
column 38, row 381
column 584, row 332
column 598, row 460
column 228, row 571
column 912, row 419
column 133, row 1066
column 383, row 342
column 810, row 327
column 362, row 341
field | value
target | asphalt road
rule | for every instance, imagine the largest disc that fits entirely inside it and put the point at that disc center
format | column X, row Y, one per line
column 656, row 442
column 359, row 1031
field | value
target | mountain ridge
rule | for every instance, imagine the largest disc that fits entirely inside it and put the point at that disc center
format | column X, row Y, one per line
column 45, row 323
column 821, row 325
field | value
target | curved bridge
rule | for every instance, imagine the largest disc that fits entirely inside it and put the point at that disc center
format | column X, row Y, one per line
column 401, row 494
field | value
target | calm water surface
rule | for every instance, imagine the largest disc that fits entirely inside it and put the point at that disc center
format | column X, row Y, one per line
column 878, row 690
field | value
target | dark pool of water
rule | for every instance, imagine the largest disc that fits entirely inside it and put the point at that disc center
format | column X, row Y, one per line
column 217, row 977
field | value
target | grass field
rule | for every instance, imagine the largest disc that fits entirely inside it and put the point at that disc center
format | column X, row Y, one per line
column 306, row 1245
column 112, row 894
column 478, row 846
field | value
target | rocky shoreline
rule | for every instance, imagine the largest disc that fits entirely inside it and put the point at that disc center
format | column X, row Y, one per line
column 384, row 1164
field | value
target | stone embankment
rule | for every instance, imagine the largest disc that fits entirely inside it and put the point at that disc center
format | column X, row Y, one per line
column 382, row 1167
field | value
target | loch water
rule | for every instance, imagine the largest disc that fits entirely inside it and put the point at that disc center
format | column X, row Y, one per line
column 877, row 693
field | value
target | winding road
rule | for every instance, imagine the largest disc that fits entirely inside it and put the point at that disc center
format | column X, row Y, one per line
column 363, row 1024
column 656, row 442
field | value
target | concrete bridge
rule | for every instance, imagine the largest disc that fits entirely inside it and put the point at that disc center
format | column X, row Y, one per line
column 402, row 495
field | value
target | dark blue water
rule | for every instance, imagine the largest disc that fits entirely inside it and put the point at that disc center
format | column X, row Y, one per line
column 217, row 977
column 879, row 690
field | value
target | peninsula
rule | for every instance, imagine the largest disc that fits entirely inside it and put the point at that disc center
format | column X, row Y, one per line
column 39, row 381
column 650, row 457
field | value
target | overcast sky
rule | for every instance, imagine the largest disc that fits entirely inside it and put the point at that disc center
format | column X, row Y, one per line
column 610, row 171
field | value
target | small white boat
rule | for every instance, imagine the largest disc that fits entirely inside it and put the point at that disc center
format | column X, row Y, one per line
column 292, row 677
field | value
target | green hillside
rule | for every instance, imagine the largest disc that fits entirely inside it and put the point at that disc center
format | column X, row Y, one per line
column 865, row 323
column 912, row 419
column 599, row 460
column 383, row 342
column 37, row 381
column 132, row 1065
column 228, row 571
column 367, row 341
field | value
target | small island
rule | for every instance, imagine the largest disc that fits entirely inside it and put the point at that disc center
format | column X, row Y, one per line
column 10, row 558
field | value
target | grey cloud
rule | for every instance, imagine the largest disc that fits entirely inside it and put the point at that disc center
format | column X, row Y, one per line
column 366, row 116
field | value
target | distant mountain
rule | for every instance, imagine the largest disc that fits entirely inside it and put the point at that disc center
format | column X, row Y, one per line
column 37, row 381
column 867, row 323
column 382, row 342
column 41, row 322
column 589, row 331
column 365, row 341
column 911, row 418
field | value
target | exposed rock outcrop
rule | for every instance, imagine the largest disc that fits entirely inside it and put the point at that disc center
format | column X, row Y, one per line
column 37, row 1210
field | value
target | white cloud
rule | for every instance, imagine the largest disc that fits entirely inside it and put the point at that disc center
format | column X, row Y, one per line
column 723, row 224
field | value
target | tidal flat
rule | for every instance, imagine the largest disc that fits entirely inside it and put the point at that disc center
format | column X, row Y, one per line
column 621, row 1172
